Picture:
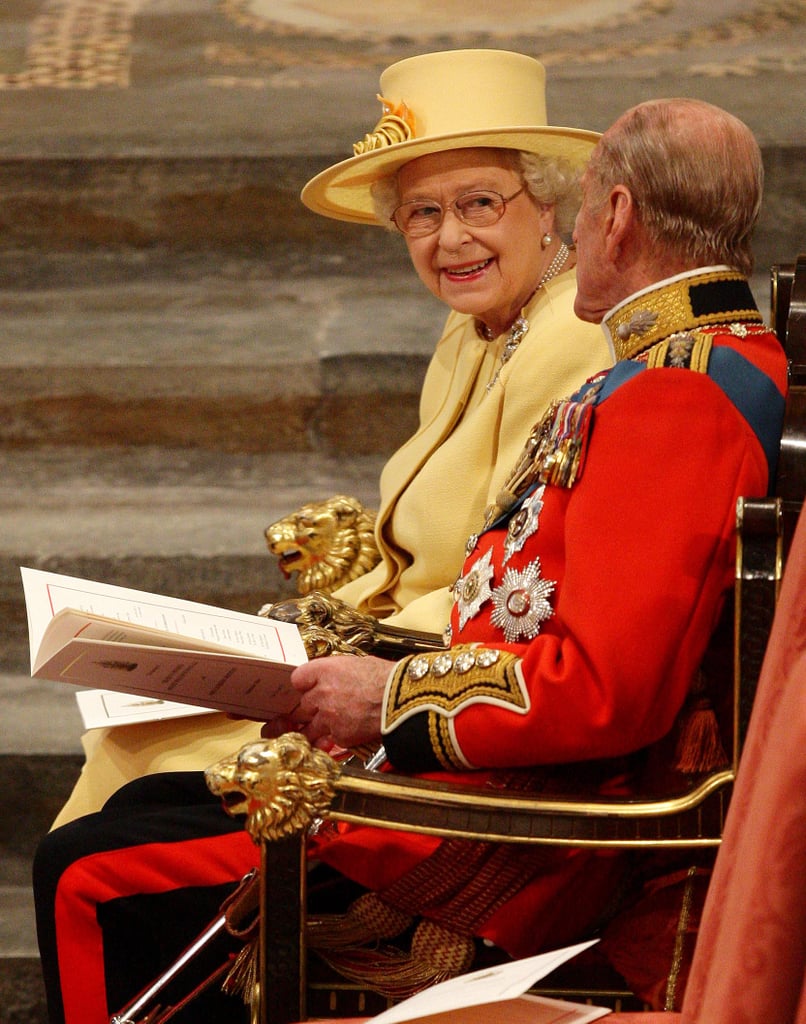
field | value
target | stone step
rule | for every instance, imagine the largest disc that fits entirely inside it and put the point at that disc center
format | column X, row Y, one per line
column 186, row 523
column 155, row 205
column 22, row 994
column 38, row 785
column 225, row 355
column 186, row 203
column 41, row 784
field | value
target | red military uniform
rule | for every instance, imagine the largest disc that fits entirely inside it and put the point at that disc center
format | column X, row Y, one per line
column 583, row 611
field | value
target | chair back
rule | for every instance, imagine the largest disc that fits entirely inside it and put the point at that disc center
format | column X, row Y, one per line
column 788, row 314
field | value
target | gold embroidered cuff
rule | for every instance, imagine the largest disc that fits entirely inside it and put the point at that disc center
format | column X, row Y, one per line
column 444, row 682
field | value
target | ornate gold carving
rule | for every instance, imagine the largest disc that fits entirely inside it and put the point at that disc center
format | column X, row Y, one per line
column 395, row 126
column 327, row 543
column 281, row 785
column 327, row 624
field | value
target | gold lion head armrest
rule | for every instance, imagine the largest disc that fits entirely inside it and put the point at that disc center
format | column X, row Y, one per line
column 329, row 625
column 281, row 785
column 326, row 543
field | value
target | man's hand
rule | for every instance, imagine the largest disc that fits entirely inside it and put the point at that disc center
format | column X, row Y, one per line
column 340, row 702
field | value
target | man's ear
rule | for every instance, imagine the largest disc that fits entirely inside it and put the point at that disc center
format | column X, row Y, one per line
column 620, row 219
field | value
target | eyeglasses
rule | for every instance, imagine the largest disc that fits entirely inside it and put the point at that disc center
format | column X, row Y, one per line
column 421, row 217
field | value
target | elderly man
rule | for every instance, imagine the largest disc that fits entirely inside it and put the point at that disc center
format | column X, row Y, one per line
column 583, row 609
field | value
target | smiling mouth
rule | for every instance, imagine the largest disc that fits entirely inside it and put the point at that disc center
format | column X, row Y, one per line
column 467, row 271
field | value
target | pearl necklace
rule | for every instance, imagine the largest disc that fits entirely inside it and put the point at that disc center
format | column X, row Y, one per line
column 518, row 330
column 556, row 265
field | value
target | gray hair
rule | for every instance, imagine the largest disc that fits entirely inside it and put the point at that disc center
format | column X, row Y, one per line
column 695, row 174
column 550, row 180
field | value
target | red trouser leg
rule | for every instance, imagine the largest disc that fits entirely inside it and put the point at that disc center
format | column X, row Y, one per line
column 151, row 868
column 162, row 848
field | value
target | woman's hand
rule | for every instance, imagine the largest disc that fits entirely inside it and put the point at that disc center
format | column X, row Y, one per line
column 340, row 701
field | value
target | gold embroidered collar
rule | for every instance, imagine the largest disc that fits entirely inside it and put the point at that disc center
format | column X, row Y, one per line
column 682, row 304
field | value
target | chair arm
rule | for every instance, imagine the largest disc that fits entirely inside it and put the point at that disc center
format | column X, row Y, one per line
column 692, row 818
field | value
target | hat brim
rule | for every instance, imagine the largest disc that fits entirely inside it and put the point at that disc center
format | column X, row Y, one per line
column 343, row 190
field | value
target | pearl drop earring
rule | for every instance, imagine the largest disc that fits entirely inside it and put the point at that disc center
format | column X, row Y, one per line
column 546, row 240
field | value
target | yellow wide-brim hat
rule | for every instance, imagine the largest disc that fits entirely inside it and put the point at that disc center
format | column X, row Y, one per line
column 454, row 99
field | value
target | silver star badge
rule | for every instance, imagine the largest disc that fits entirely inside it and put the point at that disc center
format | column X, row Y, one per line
column 524, row 523
column 520, row 603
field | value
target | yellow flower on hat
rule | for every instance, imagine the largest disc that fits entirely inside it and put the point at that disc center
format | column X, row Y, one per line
column 396, row 125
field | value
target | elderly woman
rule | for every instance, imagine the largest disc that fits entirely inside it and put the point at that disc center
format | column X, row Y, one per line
column 465, row 167
column 483, row 190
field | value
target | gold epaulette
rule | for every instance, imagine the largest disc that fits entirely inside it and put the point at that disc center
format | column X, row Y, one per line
column 686, row 350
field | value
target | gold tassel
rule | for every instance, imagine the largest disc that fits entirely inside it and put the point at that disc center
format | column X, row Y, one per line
column 437, row 953
column 242, row 977
column 699, row 744
column 366, row 920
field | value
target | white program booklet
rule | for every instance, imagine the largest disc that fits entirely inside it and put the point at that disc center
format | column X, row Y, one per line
column 156, row 656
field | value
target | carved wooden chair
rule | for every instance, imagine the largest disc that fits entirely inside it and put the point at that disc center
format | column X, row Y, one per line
column 750, row 959
column 692, row 816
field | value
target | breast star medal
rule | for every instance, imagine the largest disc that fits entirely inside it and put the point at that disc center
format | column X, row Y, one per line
column 520, row 602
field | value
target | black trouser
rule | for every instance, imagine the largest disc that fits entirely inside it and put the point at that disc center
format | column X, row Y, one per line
column 100, row 858
column 142, row 878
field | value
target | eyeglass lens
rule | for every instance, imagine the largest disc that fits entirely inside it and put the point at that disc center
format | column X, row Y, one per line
column 478, row 209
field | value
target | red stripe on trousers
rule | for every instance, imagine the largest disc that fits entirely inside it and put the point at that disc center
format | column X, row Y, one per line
column 149, row 868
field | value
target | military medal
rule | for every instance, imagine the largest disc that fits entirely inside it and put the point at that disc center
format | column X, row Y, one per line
column 473, row 589
column 520, row 603
column 524, row 523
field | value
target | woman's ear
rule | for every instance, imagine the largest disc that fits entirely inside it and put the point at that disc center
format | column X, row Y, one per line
column 547, row 221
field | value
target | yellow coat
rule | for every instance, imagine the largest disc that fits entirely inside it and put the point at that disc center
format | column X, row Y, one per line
column 435, row 487
column 433, row 492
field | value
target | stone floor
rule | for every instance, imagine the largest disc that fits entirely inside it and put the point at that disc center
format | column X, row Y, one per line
column 188, row 353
